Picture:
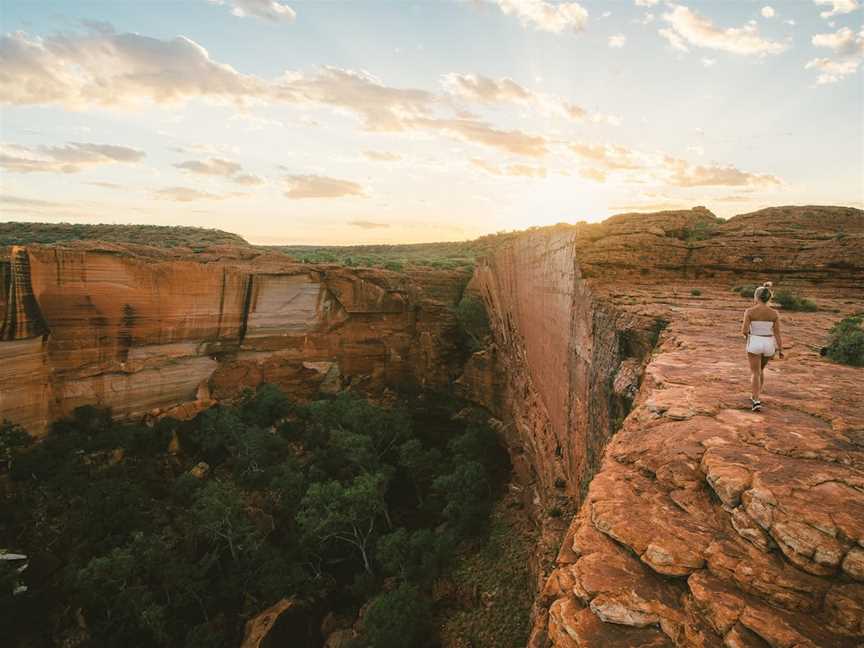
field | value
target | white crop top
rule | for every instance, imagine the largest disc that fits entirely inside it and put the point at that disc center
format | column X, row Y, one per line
column 762, row 328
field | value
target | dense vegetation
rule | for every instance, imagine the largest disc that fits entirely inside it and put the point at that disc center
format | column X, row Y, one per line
column 390, row 257
column 846, row 342
column 336, row 503
column 155, row 235
column 452, row 255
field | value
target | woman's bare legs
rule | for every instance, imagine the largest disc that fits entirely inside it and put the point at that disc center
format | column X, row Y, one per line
column 765, row 360
column 755, row 361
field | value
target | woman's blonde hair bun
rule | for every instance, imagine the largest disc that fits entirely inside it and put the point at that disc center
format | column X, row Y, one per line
column 763, row 292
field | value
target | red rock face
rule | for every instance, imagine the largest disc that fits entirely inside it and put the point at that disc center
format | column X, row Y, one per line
column 705, row 524
column 146, row 332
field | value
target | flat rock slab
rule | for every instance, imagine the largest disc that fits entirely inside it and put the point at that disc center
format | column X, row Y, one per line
column 710, row 525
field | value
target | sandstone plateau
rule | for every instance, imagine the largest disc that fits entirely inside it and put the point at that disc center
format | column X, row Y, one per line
column 150, row 332
column 671, row 514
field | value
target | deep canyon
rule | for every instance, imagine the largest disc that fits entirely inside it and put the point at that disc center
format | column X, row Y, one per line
column 670, row 514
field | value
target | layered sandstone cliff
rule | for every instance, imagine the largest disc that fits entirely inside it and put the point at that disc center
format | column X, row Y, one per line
column 705, row 524
column 144, row 331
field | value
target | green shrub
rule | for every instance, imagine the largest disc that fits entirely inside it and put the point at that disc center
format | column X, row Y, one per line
column 792, row 302
column 746, row 291
column 695, row 292
column 701, row 231
column 846, row 342
column 12, row 439
column 395, row 266
column 398, row 619
column 473, row 320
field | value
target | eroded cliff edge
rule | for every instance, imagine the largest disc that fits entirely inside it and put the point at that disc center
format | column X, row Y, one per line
column 705, row 524
column 148, row 332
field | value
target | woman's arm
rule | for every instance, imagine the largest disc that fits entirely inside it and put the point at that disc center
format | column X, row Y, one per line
column 777, row 336
column 745, row 327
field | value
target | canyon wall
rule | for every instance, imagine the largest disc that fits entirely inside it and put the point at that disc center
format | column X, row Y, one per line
column 704, row 524
column 145, row 331
column 565, row 364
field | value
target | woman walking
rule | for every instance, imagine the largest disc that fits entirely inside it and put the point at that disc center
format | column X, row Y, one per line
column 762, row 330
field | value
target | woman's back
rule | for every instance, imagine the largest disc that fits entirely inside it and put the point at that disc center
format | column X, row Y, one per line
column 761, row 327
column 762, row 313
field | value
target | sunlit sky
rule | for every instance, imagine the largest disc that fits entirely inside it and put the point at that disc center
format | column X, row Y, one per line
column 365, row 121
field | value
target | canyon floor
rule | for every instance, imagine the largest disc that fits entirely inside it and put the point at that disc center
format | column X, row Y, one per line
column 708, row 524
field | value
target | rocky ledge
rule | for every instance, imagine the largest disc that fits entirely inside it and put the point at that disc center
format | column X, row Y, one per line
column 708, row 524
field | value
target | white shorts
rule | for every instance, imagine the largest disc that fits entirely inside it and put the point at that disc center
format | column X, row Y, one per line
column 761, row 345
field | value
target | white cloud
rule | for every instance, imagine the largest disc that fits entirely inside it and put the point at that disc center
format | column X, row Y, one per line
column 526, row 171
column 108, row 69
column 648, row 18
column 618, row 40
column 597, row 175
column 315, row 186
column 768, row 12
column 546, row 16
column 609, row 157
column 674, row 39
column 486, row 90
column 254, row 122
column 841, row 41
column 248, row 179
column 20, row 201
column 382, row 156
column 222, row 168
column 848, row 49
column 708, row 62
column 837, row 7
column 213, row 166
column 381, row 107
column 522, row 170
column 266, row 9
column 480, row 89
column 105, row 185
column 639, row 167
column 610, row 120
column 689, row 28
column 511, row 141
column 790, row 21
column 70, row 158
column 184, row 194
column 105, row 68
column 363, row 224
column 646, row 3
column 684, row 174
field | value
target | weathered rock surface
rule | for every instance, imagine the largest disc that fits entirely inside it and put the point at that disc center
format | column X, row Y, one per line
column 149, row 331
column 706, row 524
column 283, row 623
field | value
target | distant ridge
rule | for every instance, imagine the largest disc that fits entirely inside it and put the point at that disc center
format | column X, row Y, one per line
column 167, row 236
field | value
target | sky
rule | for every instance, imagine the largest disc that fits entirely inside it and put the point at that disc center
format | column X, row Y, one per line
column 392, row 121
